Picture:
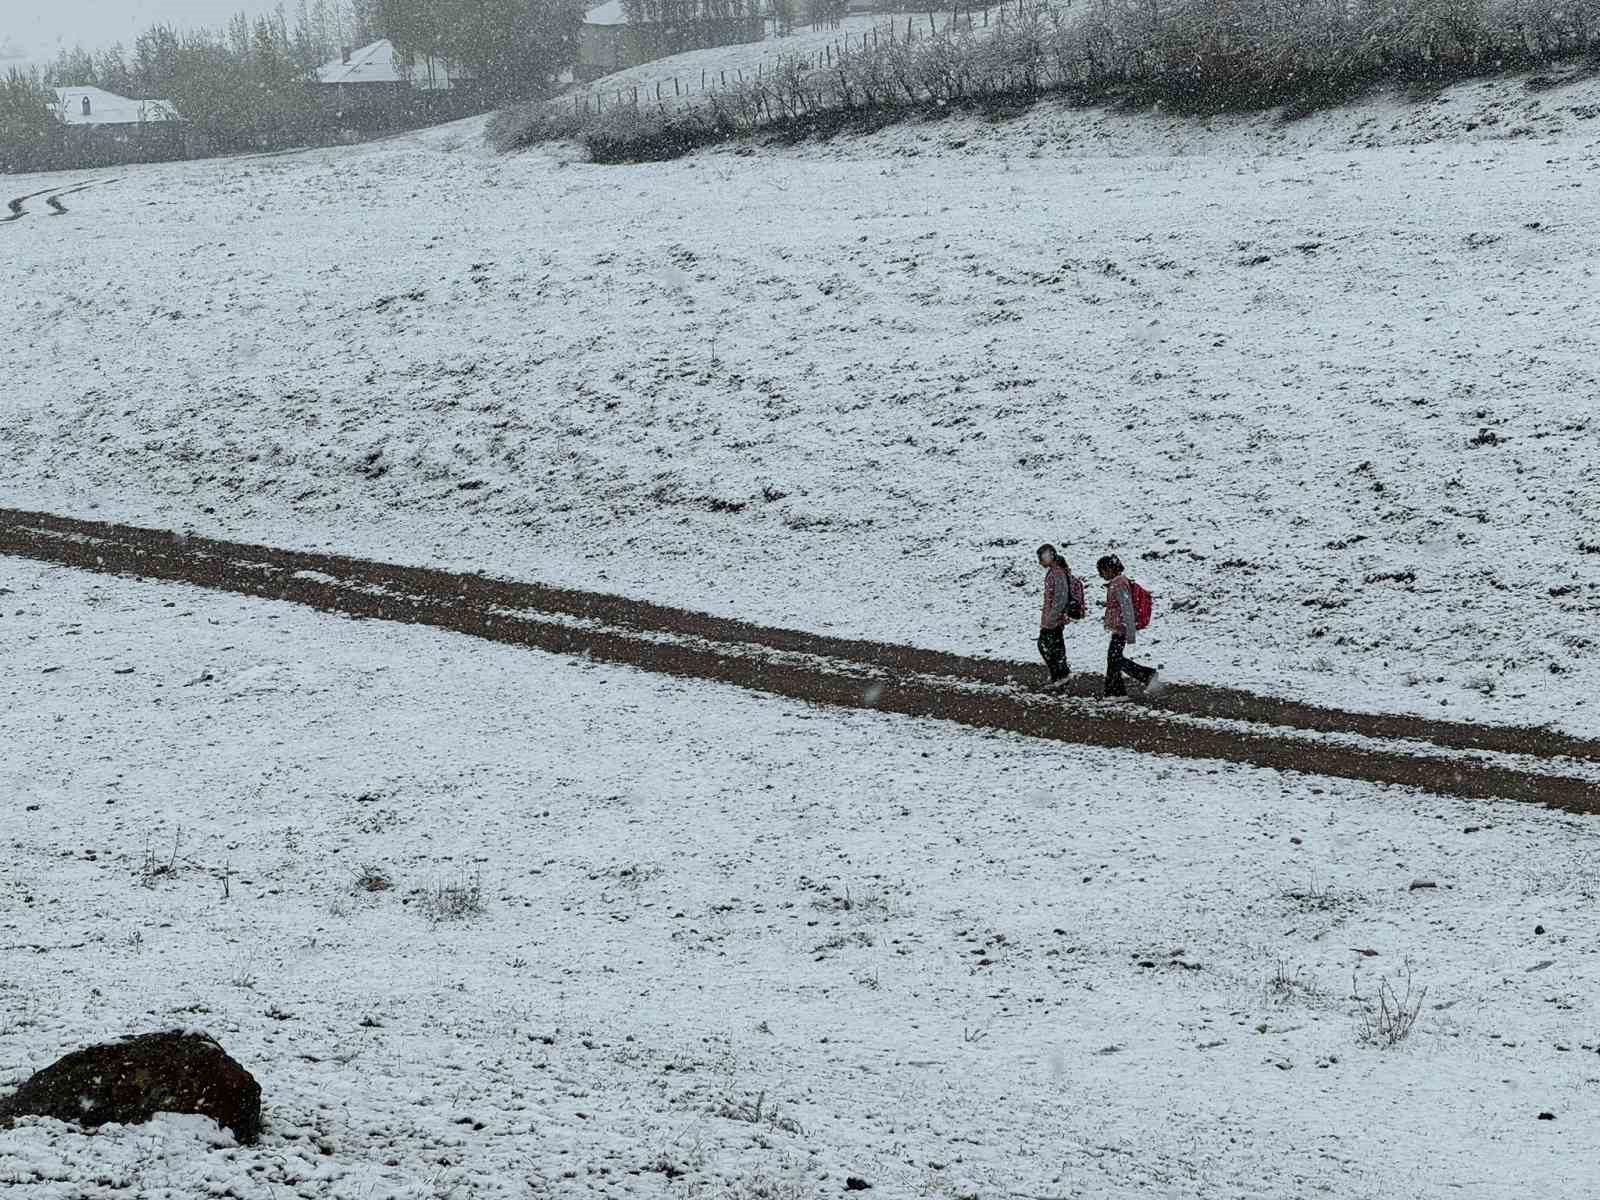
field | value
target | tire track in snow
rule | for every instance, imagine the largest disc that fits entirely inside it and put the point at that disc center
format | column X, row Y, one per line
column 900, row 679
column 52, row 196
column 54, row 200
column 18, row 211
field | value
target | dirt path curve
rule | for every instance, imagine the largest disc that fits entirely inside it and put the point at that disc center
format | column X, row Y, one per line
column 1441, row 757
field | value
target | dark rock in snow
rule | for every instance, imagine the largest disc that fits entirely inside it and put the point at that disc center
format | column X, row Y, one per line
column 130, row 1080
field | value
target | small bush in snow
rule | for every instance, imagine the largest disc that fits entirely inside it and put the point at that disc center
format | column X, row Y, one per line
column 1287, row 984
column 756, row 1112
column 867, row 903
column 369, row 877
column 1388, row 1017
column 454, row 900
column 760, row 1186
column 153, row 868
column 530, row 124
column 1313, row 896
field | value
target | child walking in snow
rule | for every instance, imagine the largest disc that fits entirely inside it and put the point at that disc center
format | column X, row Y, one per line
column 1063, row 602
column 1122, row 623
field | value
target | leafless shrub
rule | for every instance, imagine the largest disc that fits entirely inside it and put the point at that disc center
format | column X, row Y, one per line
column 526, row 125
column 869, row 902
column 757, row 1112
column 453, row 900
column 1286, row 984
column 1313, row 896
column 1388, row 1017
column 840, row 941
column 153, row 868
column 763, row 1185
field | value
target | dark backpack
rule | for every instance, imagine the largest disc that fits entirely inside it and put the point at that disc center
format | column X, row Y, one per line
column 1075, row 605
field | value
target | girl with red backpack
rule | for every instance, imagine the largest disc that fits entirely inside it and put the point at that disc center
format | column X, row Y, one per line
column 1063, row 602
column 1127, row 612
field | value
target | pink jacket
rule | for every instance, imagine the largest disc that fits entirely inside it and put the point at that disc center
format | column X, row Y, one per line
column 1057, row 591
column 1119, row 608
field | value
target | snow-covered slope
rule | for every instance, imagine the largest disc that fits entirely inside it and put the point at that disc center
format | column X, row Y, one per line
column 681, row 77
column 733, row 948
column 1335, row 402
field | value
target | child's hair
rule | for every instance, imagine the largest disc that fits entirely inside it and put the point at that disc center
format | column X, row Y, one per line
column 1109, row 562
column 1054, row 553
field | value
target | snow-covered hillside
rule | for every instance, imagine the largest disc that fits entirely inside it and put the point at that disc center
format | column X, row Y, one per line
column 1330, row 388
column 704, row 944
column 720, row 66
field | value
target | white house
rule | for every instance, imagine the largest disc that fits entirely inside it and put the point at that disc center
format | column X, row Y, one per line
column 380, row 68
column 609, row 40
column 101, row 128
column 95, row 106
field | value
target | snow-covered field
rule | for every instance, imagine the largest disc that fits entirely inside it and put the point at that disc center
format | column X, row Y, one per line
column 1330, row 387
column 736, row 947
column 1332, row 393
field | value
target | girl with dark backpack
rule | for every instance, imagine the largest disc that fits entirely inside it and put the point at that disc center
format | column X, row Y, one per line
column 1127, row 611
column 1063, row 602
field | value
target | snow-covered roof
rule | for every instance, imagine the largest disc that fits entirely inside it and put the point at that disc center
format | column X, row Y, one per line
column 380, row 63
column 609, row 13
column 107, row 108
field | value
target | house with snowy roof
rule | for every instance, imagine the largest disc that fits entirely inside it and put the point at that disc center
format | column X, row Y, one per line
column 105, row 129
column 613, row 38
column 96, row 106
column 379, row 73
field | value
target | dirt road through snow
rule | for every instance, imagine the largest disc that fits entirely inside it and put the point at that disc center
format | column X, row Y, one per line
column 1448, row 758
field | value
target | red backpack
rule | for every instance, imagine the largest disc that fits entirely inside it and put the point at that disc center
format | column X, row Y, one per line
column 1141, row 605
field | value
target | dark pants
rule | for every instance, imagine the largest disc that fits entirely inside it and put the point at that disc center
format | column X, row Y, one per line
column 1117, row 667
column 1053, row 649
